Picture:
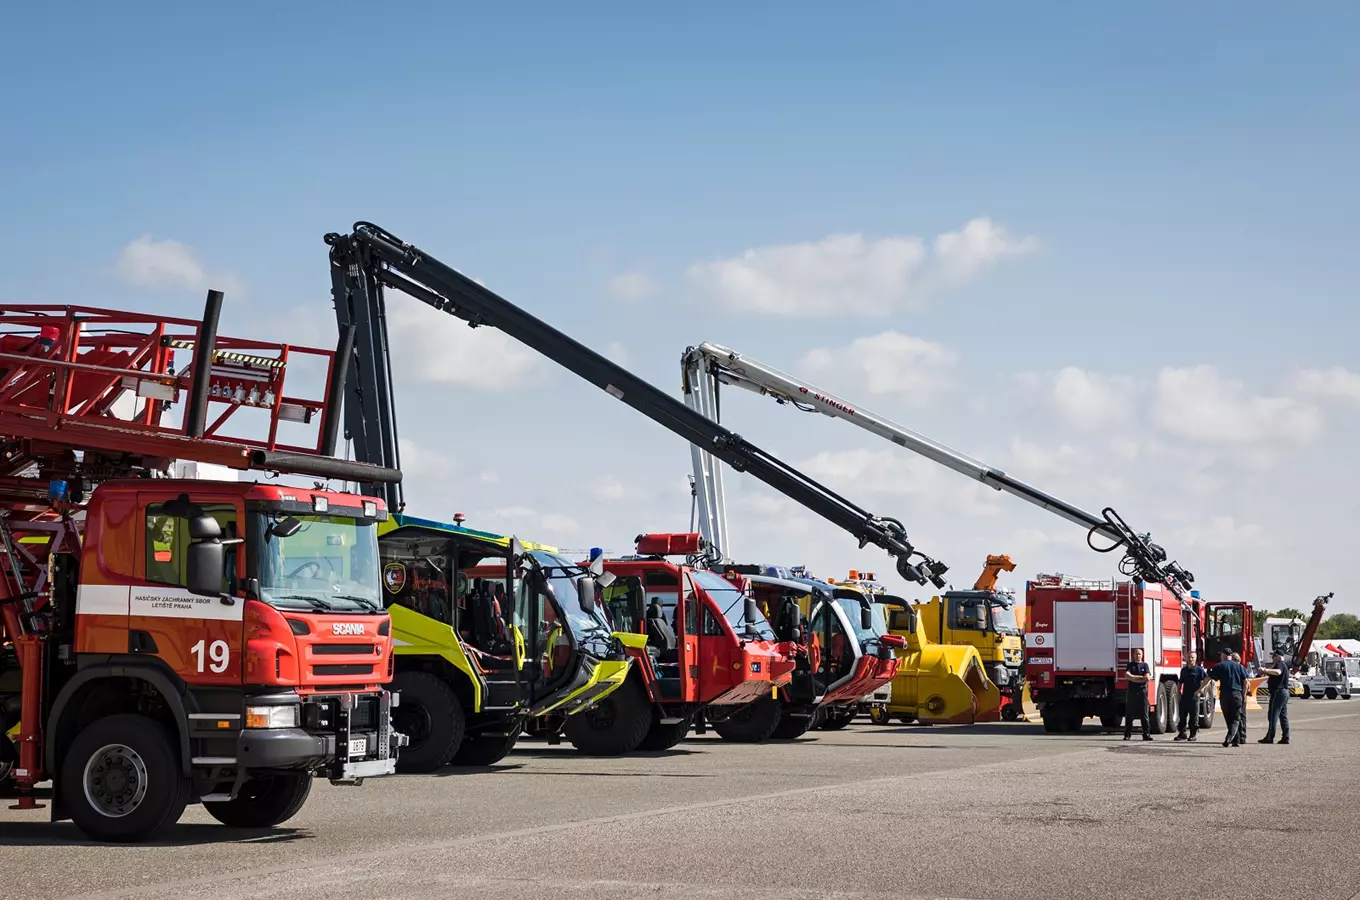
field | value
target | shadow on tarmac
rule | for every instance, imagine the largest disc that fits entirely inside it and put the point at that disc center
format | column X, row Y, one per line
column 65, row 834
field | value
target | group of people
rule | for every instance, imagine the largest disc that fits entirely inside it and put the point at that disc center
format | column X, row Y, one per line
column 1195, row 681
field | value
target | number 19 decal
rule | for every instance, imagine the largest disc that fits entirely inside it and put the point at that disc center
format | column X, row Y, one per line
column 219, row 654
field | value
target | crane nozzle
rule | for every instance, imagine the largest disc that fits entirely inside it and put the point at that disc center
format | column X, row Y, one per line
column 936, row 570
column 910, row 571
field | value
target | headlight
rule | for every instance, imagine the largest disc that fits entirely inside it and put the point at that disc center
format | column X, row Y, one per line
column 271, row 716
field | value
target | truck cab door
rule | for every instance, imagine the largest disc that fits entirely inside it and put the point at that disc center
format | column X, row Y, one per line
column 691, row 617
column 201, row 638
column 1227, row 626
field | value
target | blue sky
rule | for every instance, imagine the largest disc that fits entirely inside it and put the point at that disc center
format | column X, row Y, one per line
column 1157, row 312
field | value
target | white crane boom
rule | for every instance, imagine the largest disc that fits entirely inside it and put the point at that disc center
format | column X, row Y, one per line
column 709, row 365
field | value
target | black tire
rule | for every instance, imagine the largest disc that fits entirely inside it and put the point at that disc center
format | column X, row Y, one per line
column 615, row 725
column 663, row 737
column 9, row 758
column 879, row 716
column 1172, row 708
column 1158, row 715
column 1331, row 693
column 753, row 723
column 1206, row 721
column 135, row 772
column 477, row 750
column 431, row 717
column 835, row 720
column 1009, row 712
column 1074, row 722
column 264, row 801
column 1307, row 693
column 907, row 719
column 791, row 727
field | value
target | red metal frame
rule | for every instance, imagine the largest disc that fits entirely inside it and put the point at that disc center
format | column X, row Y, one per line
column 64, row 393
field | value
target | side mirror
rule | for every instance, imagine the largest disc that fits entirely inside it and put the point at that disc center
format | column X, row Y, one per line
column 205, row 563
column 752, row 612
column 204, row 528
column 866, row 618
column 585, row 589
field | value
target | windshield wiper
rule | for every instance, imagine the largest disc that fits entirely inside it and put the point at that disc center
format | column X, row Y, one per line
column 364, row 601
column 317, row 602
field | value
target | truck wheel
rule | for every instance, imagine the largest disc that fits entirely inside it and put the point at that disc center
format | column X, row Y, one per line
column 264, row 801
column 663, row 737
column 791, row 726
column 1206, row 720
column 122, row 779
column 431, row 718
column 615, row 725
column 836, row 720
column 1307, row 692
column 1171, row 707
column 879, row 716
column 484, row 751
column 753, row 723
column 1331, row 693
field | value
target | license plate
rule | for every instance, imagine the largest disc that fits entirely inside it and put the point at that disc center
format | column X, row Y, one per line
column 358, row 746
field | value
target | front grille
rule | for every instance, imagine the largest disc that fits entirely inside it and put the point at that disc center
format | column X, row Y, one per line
column 342, row 649
column 343, row 669
column 364, row 715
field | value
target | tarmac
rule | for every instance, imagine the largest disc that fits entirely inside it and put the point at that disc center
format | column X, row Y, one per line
column 985, row 811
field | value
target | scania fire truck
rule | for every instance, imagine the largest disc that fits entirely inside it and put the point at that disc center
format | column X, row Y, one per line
column 166, row 641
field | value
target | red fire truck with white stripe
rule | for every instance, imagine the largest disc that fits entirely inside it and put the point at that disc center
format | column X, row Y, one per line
column 168, row 640
column 1082, row 634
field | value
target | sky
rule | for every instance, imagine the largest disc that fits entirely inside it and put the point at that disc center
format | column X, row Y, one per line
column 1110, row 251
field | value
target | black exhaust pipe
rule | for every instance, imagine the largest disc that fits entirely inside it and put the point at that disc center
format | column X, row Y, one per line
column 322, row 467
column 335, row 391
column 196, row 415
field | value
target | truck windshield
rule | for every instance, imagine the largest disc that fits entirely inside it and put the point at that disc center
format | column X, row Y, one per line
column 591, row 630
column 329, row 563
column 732, row 603
column 852, row 606
column 1003, row 617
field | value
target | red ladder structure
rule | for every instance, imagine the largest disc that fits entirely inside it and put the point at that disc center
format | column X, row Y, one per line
column 85, row 394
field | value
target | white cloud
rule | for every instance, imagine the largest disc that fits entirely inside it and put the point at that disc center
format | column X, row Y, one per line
column 631, row 286
column 1220, row 534
column 889, row 363
column 169, row 265
column 420, row 461
column 546, row 527
column 1335, row 383
column 1090, row 401
column 849, row 274
column 432, row 347
column 961, row 255
column 1196, row 403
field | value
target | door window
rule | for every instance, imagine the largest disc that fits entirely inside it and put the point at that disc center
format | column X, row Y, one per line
column 167, row 543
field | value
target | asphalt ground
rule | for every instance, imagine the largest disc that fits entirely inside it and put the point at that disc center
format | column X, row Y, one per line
column 994, row 811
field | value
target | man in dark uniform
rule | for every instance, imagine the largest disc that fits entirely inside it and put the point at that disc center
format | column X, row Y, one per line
column 1192, row 677
column 1136, row 699
column 1242, row 716
column 1232, row 683
column 1277, row 683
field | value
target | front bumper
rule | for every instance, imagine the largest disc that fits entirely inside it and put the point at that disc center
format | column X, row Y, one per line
column 345, row 736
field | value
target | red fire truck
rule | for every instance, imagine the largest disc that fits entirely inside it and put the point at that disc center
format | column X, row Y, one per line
column 713, row 655
column 167, row 640
column 1082, row 634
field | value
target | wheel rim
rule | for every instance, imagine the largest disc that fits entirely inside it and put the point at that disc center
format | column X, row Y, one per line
column 601, row 715
column 115, row 780
column 413, row 720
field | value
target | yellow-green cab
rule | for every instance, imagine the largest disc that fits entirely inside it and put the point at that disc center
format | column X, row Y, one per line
column 482, row 646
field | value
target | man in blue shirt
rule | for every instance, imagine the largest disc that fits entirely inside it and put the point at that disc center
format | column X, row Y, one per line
column 1278, row 685
column 1136, row 698
column 1232, row 683
column 1192, row 676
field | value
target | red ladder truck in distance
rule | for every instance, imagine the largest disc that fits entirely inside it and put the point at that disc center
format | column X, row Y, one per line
column 166, row 641
column 1082, row 633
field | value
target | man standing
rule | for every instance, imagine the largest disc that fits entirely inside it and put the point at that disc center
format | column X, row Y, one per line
column 1232, row 682
column 1242, row 717
column 1277, row 683
column 1136, row 699
column 1192, row 676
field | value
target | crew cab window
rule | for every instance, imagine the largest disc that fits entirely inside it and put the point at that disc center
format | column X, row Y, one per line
column 623, row 601
column 969, row 614
column 167, row 542
column 417, row 575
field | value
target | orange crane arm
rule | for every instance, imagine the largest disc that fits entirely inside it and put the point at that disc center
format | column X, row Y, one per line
column 1309, row 631
column 991, row 571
